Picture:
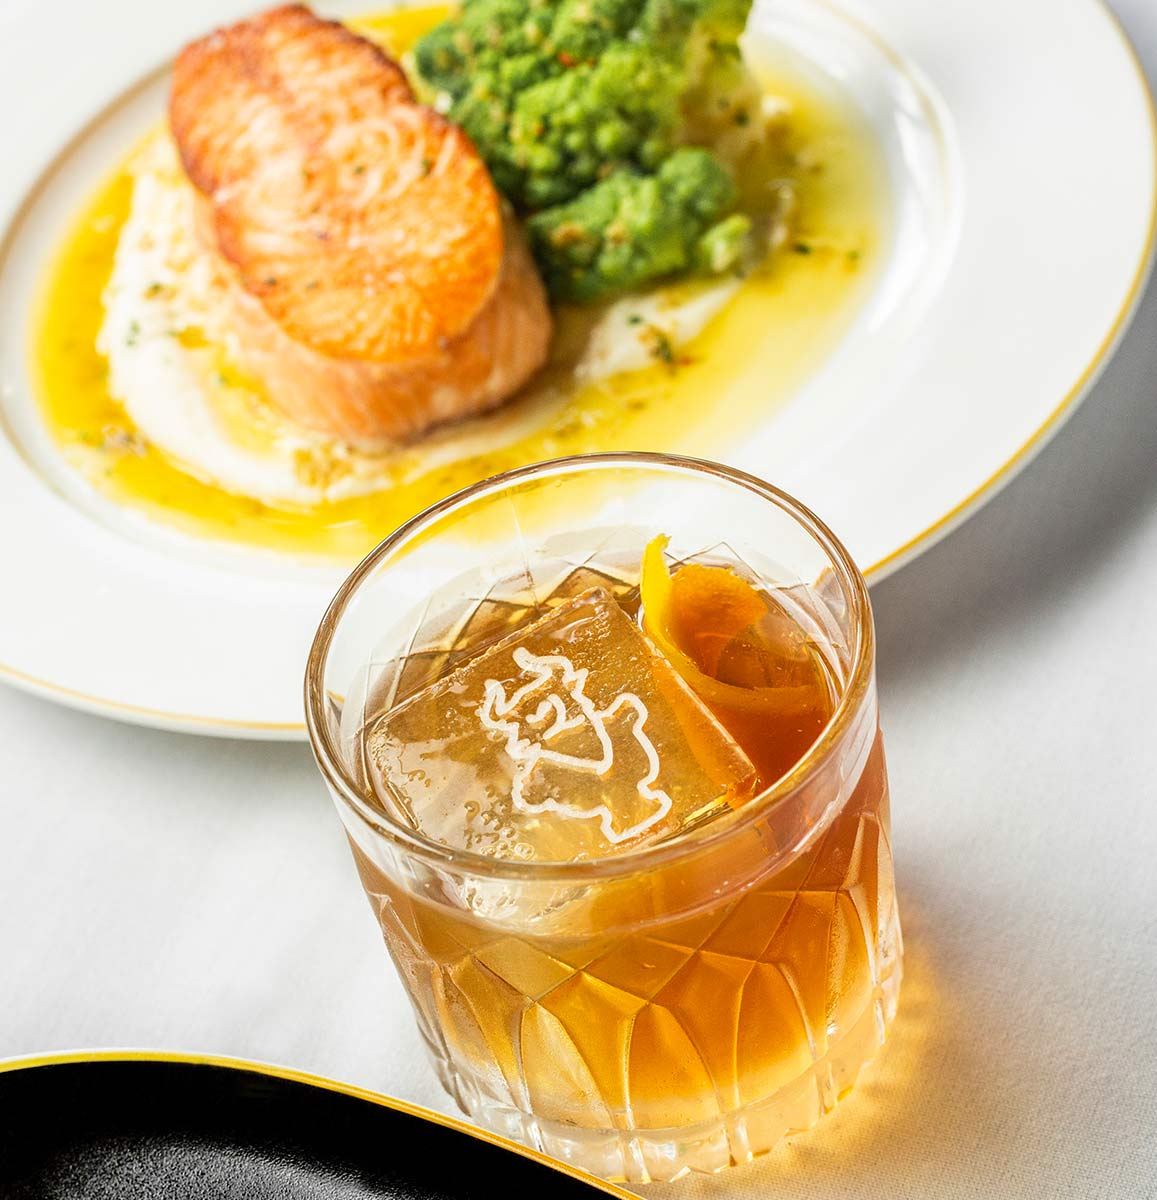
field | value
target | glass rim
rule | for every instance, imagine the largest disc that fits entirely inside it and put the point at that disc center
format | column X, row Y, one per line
column 337, row 775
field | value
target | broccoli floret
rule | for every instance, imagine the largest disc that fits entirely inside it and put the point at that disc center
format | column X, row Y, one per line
column 633, row 228
column 470, row 49
column 725, row 245
column 559, row 94
column 568, row 132
column 582, row 104
column 585, row 29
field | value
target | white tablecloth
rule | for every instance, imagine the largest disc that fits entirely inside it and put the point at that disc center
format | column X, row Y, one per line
column 172, row 892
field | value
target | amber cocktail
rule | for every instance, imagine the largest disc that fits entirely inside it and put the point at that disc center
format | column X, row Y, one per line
column 616, row 791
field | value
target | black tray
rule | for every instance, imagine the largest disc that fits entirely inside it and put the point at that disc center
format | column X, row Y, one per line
column 151, row 1127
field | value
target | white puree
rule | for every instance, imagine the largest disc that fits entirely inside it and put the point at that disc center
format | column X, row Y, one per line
column 170, row 362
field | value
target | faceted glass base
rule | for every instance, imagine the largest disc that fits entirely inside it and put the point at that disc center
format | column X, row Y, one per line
column 650, row 1155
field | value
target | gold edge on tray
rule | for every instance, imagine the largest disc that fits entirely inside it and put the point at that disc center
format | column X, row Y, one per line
column 331, row 1085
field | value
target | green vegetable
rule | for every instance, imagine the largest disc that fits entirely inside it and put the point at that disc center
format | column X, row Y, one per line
column 724, row 246
column 570, row 131
column 632, row 228
column 578, row 108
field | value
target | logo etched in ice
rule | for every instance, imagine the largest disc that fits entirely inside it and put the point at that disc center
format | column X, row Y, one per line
column 558, row 673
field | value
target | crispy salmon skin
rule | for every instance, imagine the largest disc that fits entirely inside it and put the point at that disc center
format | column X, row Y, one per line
column 364, row 225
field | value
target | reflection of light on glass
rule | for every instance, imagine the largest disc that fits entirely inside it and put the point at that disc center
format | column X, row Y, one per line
column 897, row 1124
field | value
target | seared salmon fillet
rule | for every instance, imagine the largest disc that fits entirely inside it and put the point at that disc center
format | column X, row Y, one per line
column 378, row 288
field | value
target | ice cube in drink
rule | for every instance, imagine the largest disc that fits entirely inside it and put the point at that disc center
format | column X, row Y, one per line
column 639, row 1013
column 570, row 739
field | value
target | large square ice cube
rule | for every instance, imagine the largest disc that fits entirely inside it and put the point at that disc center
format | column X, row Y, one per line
column 572, row 738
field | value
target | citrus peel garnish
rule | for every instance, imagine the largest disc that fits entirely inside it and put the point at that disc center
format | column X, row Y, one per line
column 706, row 619
column 694, row 615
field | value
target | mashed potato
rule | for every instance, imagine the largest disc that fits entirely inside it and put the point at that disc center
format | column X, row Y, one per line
column 171, row 363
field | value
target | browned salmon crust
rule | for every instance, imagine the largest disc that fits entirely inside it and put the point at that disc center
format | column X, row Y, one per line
column 383, row 402
column 365, row 223
column 364, row 226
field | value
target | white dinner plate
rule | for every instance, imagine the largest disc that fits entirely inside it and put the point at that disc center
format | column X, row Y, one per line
column 1020, row 144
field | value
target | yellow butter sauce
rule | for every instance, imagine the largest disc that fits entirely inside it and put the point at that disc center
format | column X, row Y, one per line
column 782, row 320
